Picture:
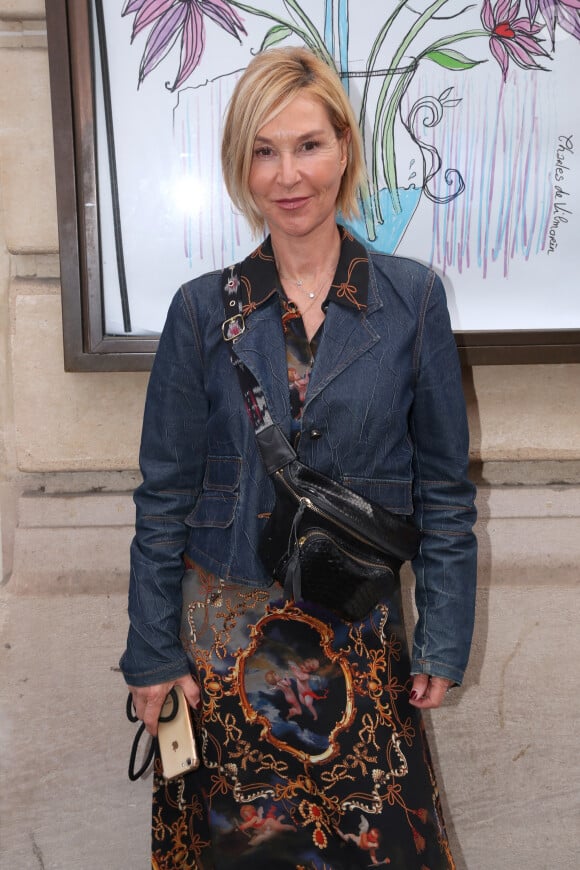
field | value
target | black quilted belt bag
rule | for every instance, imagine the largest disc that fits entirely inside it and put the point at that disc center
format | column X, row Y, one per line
column 324, row 542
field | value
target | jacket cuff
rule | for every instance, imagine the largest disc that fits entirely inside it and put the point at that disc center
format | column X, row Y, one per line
column 437, row 669
column 165, row 673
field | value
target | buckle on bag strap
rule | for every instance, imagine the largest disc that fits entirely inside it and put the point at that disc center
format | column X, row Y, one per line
column 233, row 327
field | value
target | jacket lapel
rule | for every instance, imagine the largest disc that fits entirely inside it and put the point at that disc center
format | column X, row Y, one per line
column 347, row 335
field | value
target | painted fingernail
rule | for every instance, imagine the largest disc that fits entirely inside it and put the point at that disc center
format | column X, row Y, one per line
column 414, row 695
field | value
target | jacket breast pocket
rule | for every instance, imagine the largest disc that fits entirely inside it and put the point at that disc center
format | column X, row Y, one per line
column 216, row 505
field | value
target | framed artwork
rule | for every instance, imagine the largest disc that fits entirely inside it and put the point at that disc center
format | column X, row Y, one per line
column 471, row 133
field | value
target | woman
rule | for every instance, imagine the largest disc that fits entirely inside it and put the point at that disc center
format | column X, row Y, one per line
column 310, row 729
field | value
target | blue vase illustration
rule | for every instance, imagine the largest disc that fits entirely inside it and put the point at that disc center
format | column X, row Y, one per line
column 388, row 233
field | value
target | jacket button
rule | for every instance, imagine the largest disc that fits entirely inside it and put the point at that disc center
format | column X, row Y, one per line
column 315, row 433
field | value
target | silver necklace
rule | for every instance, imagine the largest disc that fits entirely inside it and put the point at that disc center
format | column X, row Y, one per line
column 299, row 282
column 310, row 293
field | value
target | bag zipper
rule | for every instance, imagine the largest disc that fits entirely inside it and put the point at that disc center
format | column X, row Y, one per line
column 309, row 504
column 321, row 533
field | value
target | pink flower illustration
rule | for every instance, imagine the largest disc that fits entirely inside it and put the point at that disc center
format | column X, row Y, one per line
column 178, row 19
column 566, row 13
column 512, row 38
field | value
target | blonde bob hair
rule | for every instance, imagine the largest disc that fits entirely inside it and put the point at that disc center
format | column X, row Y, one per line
column 270, row 82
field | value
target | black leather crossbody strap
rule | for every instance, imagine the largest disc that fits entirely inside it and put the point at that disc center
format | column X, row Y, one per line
column 275, row 449
column 233, row 326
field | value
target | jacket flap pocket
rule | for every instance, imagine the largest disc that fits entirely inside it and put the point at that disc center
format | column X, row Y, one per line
column 222, row 473
column 394, row 495
column 213, row 509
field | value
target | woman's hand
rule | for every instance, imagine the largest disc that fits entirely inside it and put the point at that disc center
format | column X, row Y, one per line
column 428, row 692
column 149, row 700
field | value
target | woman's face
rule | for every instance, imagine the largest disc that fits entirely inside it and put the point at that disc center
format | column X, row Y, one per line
column 297, row 166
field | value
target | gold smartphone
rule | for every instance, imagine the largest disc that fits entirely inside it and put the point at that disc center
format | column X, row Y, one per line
column 177, row 745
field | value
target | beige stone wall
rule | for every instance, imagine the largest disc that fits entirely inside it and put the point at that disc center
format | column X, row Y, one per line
column 68, row 454
column 52, row 421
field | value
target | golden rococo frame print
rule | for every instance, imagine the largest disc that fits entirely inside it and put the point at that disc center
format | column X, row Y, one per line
column 263, row 670
column 471, row 134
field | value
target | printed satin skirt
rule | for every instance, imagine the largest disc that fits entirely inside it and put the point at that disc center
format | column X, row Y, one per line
column 312, row 756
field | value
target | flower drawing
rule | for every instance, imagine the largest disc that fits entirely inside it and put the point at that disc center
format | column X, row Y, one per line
column 512, row 37
column 409, row 37
column 175, row 19
column 566, row 13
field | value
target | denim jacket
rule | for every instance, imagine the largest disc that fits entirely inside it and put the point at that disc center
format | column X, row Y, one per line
column 384, row 414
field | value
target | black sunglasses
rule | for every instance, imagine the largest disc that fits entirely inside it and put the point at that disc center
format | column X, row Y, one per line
column 132, row 717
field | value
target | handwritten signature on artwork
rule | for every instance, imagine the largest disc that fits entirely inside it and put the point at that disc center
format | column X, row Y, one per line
column 561, row 211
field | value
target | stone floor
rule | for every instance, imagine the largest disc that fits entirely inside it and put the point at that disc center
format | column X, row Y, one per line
column 66, row 801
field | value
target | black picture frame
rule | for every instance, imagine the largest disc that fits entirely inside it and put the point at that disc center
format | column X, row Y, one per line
column 87, row 346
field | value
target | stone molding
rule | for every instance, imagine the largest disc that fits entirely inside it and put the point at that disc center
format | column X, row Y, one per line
column 78, row 543
column 22, row 33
